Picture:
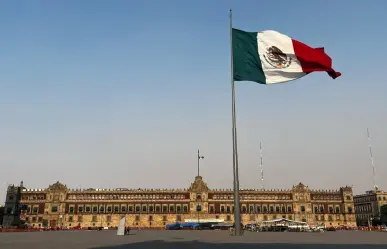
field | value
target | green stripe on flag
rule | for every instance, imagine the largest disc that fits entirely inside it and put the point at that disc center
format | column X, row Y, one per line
column 247, row 64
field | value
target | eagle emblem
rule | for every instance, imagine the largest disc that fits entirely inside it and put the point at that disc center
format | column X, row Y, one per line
column 276, row 58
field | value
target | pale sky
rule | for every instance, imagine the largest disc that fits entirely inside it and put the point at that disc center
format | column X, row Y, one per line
column 105, row 95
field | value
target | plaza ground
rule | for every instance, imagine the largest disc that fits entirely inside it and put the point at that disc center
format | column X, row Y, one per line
column 147, row 239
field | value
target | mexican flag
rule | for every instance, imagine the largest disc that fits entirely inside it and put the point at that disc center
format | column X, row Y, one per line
column 270, row 57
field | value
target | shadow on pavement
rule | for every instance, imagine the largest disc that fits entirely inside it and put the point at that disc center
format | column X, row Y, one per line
column 159, row 244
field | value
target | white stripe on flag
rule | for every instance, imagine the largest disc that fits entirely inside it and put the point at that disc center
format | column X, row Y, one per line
column 289, row 69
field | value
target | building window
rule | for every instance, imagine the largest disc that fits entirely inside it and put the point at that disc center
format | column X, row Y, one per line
column 302, row 208
column 304, row 220
column 316, row 217
column 95, row 209
column 185, row 209
column 130, row 208
column 251, row 209
column 212, row 209
column 264, row 209
column 337, row 209
column 165, row 209
column 40, row 219
column 80, row 209
column 137, row 209
column 330, row 209
column 34, row 210
column 101, row 209
column 349, row 209
column 158, row 209
column 271, row 208
column 289, row 209
column 171, row 209
column 178, row 209
column 322, row 209
column 88, row 209
column 283, row 209
column 258, row 208
column 222, row 209
column 244, row 210
column 123, row 209
column 109, row 209
column 316, row 210
column 116, row 209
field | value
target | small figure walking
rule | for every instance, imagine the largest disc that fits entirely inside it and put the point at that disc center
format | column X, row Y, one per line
column 127, row 230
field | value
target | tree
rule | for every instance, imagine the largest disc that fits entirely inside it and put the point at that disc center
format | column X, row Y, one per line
column 383, row 214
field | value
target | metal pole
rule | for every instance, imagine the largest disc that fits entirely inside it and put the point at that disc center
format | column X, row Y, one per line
column 198, row 163
column 372, row 160
column 237, row 213
column 260, row 152
column 199, row 157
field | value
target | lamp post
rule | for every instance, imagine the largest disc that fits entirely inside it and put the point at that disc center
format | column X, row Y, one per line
column 198, row 209
column 101, row 216
column 199, row 157
column 370, row 223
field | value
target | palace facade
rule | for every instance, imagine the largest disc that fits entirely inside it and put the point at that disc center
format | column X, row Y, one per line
column 58, row 205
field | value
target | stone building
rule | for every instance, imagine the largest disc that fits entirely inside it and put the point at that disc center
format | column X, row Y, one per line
column 58, row 205
column 12, row 207
column 367, row 206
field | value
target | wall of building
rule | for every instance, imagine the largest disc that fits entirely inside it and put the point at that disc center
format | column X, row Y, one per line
column 59, row 206
column 367, row 206
column 12, row 206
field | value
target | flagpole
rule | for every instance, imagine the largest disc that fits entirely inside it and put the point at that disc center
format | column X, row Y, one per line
column 237, row 213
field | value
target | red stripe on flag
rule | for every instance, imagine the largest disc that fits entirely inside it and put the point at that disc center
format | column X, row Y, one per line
column 314, row 59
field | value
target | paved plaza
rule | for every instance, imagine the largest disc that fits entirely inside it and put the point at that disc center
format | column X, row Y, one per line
column 146, row 239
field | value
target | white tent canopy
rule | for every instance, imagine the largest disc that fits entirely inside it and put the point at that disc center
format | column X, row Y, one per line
column 285, row 222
